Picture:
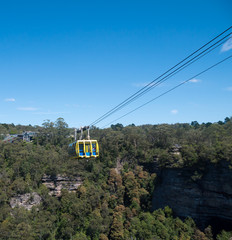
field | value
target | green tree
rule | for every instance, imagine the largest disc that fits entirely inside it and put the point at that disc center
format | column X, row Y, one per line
column 117, row 230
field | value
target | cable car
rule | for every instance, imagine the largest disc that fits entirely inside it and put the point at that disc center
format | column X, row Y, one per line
column 84, row 148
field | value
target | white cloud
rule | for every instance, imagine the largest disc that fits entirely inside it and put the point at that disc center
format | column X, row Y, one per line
column 174, row 111
column 139, row 85
column 227, row 45
column 71, row 105
column 9, row 100
column 27, row 109
column 194, row 80
column 49, row 113
column 229, row 89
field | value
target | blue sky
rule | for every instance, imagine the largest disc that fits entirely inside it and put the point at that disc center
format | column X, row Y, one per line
column 79, row 59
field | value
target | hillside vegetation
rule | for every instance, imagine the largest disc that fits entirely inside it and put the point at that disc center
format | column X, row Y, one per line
column 114, row 200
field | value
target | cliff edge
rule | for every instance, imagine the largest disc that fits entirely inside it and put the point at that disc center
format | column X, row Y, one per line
column 205, row 195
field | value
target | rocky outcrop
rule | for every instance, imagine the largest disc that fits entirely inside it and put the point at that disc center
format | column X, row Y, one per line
column 205, row 195
column 56, row 183
column 27, row 200
column 119, row 166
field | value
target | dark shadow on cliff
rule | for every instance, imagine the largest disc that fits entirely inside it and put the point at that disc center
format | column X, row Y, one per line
column 202, row 194
column 219, row 224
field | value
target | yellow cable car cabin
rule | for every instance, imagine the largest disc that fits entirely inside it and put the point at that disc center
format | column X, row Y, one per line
column 84, row 149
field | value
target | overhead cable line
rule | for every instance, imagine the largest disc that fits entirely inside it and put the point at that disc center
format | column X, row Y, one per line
column 197, row 57
column 182, row 83
column 163, row 79
column 152, row 84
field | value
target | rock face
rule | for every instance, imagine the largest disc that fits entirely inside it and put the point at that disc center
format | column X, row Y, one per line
column 205, row 196
column 27, row 200
column 56, row 183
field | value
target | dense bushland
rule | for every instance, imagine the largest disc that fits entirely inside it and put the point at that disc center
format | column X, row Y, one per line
column 114, row 201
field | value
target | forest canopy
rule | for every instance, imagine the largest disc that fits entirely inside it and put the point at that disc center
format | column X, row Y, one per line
column 114, row 199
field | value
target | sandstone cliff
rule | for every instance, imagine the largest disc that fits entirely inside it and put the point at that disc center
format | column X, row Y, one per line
column 204, row 195
column 27, row 200
column 56, row 183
